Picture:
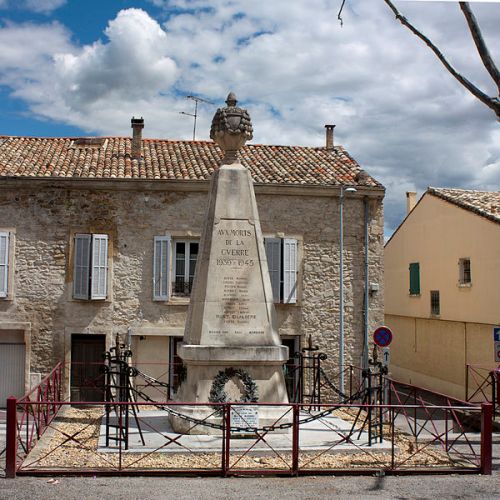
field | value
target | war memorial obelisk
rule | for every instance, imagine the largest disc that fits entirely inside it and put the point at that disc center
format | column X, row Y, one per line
column 231, row 348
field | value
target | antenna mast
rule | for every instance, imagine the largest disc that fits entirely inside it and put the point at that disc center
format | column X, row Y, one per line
column 195, row 114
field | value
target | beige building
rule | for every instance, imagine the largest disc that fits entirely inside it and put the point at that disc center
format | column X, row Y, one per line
column 442, row 270
column 99, row 236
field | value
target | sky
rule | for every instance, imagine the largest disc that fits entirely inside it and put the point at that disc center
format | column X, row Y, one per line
column 73, row 68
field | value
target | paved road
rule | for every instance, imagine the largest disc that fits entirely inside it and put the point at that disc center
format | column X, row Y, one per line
column 404, row 487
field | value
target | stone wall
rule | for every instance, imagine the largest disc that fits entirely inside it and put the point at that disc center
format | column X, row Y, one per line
column 44, row 220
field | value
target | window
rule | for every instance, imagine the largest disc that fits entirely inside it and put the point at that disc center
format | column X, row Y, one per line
column 4, row 264
column 184, row 265
column 90, row 266
column 414, row 278
column 465, row 277
column 435, row 305
column 282, row 263
column 173, row 276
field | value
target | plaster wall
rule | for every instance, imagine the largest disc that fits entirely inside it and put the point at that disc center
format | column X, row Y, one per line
column 434, row 354
column 437, row 234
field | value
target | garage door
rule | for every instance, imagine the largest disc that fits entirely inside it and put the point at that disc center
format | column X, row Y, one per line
column 12, row 358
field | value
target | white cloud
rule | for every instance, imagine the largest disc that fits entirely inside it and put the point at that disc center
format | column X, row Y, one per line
column 133, row 65
column 44, row 6
column 397, row 111
column 40, row 6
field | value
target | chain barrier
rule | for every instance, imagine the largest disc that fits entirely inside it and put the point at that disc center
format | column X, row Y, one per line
column 249, row 430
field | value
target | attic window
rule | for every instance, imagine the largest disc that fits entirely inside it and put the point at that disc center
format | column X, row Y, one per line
column 88, row 142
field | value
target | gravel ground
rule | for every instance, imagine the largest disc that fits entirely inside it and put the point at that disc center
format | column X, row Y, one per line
column 314, row 487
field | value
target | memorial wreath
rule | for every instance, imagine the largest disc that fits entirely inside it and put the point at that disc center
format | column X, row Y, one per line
column 218, row 394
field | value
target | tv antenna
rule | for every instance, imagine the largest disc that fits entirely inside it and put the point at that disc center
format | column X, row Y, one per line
column 195, row 114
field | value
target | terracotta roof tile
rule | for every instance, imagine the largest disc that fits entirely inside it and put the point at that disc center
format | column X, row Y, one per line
column 484, row 203
column 179, row 160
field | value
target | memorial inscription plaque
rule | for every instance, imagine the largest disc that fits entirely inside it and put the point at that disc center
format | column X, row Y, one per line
column 234, row 302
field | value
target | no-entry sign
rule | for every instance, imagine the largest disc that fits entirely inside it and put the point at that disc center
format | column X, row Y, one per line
column 382, row 336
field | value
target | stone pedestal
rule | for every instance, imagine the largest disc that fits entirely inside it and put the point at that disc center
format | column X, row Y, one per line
column 231, row 322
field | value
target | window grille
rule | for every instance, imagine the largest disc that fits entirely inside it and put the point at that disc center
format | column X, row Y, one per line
column 465, row 276
column 435, row 303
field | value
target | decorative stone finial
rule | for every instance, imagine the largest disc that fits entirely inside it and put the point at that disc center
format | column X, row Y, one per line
column 231, row 128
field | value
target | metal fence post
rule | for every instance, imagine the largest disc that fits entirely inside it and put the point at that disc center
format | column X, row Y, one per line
column 227, row 448
column 486, row 437
column 295, row 439
column 11, row 449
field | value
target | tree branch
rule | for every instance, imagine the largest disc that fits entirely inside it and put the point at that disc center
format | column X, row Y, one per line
column 491, row 102
column 482, row 49
column 339, row 15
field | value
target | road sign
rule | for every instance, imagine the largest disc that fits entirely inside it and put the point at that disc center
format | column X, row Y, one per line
column 496, row 343
column 382, row 336
column 386, row 356
column 496, row 334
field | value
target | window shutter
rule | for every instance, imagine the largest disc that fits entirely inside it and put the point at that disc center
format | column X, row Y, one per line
column 414, row 278
column 289, row 271
column 81, row 266
column 161, row 262
column 99, row 266
column 4, row 264
column 273, row 253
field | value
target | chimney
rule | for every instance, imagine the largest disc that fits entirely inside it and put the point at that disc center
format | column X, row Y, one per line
column 329, row 137
column 137, row 126
column 411, row 201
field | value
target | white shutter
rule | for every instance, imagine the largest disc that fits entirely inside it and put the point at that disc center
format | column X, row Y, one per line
column 81, row 266
column 273, row 252
column 161, row 263
column 289, row 271
column 4, row 264
column 99, row 266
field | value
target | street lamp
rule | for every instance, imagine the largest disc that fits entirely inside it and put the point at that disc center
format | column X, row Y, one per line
column 343, row 192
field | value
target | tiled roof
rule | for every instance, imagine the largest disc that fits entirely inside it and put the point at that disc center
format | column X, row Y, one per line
column 484, row 203
column 175, row 160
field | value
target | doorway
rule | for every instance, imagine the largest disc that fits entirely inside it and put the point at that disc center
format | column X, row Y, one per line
column 87, row 367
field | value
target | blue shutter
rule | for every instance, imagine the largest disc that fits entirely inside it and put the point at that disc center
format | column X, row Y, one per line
column 81, row 266
column 289, row 271
column 273, row 253
column 99, row 266
column 161, row 267
column 4, row 264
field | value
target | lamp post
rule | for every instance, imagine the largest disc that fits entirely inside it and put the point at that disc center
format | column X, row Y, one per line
column 343, row 191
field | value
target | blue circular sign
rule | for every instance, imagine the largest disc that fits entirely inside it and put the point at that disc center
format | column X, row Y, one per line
column 382, row 336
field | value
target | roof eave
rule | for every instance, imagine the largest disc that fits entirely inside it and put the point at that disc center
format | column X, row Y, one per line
column 179, row 185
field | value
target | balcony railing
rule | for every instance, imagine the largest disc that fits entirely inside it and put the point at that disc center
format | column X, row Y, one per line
column 182, row 288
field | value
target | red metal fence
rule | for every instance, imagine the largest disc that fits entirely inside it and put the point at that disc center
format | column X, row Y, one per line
column 482, row 383
column 29, row 417
column 247, row 439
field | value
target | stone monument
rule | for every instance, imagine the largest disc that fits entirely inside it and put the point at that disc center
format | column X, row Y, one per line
column 231, row 348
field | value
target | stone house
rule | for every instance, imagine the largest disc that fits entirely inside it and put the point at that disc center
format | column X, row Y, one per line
column 442, row 269
column 99, row 236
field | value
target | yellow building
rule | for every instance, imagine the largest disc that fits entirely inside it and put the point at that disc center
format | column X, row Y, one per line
column 442, row 288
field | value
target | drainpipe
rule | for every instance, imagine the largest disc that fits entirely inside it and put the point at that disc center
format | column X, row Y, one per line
column 364, row 363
